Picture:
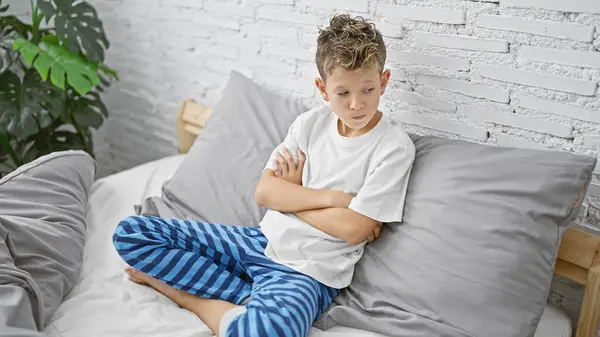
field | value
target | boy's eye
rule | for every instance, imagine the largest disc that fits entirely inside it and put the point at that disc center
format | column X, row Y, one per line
column 369, row 90
column 343, row 93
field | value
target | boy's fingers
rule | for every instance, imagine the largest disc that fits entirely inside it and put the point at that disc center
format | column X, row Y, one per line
column 287, row 154
column 290, row 161
column 301, row 161
column 282, row 163
column 371, row 237
column 301, row 158
column 377, row 231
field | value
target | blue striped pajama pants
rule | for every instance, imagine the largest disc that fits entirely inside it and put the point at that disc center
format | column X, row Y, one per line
column 227, row 263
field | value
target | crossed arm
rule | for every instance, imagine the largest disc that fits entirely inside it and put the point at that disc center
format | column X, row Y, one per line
column 326, row 210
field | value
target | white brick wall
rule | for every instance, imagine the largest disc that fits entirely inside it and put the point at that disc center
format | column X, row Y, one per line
column 589, row 6
column 562, row 30
column 435, row 61
column 465, row 87
column 461, row 42
column 520, row 73
column 422, row 13
column 540, row 80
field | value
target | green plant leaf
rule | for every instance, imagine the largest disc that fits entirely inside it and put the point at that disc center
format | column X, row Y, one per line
column 30, row 151
column 11, row 23
column 108, row 71
column 51, row 57
column 66, row 140
column 7, row 56
column 99, row 104
column 6, row 167
column 3, row 8
column 11, row 28
column 28, row 105
column 89, row 111
column 78, row 26
column 47, row 7
column 7, row 150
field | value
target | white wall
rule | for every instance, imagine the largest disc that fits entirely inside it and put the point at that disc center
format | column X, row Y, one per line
column 487, row 71
column 508, row 72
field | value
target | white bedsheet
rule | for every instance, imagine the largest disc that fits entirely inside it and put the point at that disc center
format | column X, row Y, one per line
column 104, row 302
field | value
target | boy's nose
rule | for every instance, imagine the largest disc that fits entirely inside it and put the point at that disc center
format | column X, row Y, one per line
column 356, row 104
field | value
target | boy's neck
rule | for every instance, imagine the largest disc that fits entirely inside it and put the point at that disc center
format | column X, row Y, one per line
column 348, row 132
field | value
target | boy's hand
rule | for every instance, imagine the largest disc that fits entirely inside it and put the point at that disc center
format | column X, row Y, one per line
column 376, row 232
column 286, row 167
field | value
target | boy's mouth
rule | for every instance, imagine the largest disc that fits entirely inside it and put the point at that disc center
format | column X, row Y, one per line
column 357, row 118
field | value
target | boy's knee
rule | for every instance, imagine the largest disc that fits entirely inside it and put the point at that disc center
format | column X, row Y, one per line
column 123, row 229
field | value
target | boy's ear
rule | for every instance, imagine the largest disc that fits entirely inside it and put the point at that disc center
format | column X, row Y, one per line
column 322, row 89
column 385, row 78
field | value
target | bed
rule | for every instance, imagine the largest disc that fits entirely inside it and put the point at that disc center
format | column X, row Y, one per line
column 106, row 303
column 103, row 302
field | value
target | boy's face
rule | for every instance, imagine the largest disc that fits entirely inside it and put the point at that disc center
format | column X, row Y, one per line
column 354, row 94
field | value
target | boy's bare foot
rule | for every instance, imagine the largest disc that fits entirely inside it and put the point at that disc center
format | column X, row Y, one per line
column 210, row 311
column 133, row 278
column 178, row 296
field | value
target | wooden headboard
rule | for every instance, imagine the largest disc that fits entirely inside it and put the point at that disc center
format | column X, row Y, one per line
column 578, row 256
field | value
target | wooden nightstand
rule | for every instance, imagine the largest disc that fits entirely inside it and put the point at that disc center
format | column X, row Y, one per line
column 191, row 119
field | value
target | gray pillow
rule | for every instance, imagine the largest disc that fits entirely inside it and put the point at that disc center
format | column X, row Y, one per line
column 217, row 178
column 42, row 227
column 475, row 254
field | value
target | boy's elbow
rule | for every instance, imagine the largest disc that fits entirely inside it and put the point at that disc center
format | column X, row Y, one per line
column 260, row 196
column 361, row 230
column 261, row 191
column 355, row 235
column 356, row 240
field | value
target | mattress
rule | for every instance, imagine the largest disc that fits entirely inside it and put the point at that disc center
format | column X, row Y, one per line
column 105, row 303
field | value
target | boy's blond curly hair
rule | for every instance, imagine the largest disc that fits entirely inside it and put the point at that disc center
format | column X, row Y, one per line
column 350, row 43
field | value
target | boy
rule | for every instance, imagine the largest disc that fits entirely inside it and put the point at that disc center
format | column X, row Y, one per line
column 341, row 172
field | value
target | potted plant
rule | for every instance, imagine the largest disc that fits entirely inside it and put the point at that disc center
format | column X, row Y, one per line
column 51, row 80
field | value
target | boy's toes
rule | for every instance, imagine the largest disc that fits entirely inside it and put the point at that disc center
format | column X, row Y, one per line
column 135, row 276
column 137, row 280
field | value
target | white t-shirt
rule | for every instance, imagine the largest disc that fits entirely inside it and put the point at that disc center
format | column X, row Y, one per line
column 374, row 166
